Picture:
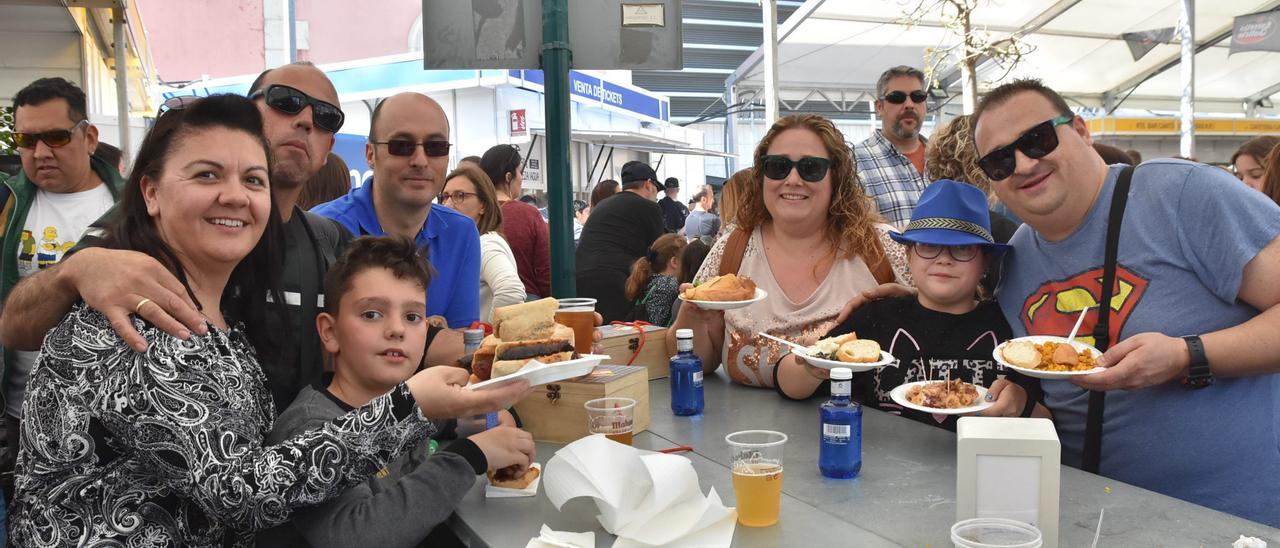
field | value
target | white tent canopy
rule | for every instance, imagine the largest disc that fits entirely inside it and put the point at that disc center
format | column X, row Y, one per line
column 840, row 46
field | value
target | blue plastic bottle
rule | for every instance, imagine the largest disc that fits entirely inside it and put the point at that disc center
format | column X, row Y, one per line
column 686, row 376
column 840, row 456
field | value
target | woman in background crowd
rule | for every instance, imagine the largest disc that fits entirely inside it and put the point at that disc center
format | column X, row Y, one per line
column 522, row 224
column 333, row 181
column 604, row 189
column 467, row 190
column 1249, row 161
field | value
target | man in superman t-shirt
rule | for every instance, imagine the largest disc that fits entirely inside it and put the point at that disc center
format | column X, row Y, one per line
column 1198, row 256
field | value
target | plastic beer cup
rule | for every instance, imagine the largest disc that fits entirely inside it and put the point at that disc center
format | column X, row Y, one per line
column 580, row 315
column 612, row 417
column 757, row 475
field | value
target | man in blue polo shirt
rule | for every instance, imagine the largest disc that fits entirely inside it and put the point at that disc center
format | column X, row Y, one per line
column 409, row 150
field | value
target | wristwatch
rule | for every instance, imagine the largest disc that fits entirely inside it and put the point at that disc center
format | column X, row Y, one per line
column 1199, row 375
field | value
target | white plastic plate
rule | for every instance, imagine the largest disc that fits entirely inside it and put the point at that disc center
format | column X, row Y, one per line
column 492, row 491
column 538, row 373
column 728, row 305
column 885, row 359
column 899, row 395
column 1039, row 374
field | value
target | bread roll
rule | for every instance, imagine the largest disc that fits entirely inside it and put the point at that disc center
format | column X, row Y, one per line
column 722, row 288
column 524, row 321
column 859, row 351
column 1021, row 354
column 521, row 482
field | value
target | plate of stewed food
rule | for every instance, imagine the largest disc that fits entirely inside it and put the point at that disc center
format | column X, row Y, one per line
column 1047, row 357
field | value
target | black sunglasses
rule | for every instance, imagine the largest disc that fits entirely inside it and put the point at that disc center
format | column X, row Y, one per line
column 55, row 138
column 899, row 97
column 405, row 147
column 288, row 100
column 810, row 168
column 1035, row 143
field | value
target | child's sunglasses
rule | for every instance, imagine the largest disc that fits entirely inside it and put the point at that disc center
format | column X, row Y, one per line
column 288, row 100
column 1036, row 143
column 899, row 97
column 55, row 138
column 810, row 168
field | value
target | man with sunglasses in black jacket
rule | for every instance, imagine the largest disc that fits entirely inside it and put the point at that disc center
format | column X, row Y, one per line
column 300, row 117
column 891, row 161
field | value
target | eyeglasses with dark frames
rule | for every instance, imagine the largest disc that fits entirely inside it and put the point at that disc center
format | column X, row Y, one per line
column 958, row 253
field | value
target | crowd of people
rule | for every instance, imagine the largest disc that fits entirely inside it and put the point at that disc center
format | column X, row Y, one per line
column 232, row 343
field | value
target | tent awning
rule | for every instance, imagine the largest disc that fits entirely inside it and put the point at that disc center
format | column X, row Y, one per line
column 1078, row 50
column 639, row 142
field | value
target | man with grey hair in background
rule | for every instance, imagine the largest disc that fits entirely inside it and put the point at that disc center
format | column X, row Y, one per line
column 891, row 161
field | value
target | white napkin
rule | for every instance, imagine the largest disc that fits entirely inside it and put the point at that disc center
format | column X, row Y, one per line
column 492, row 491
column 548, row 538
column 646, row 499
column 1249, row 542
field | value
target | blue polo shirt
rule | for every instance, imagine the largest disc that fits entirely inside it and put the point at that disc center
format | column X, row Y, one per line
column 453, row 247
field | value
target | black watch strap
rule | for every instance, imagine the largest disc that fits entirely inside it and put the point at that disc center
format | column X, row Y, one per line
column 1198, row 375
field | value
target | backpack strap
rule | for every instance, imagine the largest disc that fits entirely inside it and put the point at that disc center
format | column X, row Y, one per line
column 1092, row 457
column 734, row 249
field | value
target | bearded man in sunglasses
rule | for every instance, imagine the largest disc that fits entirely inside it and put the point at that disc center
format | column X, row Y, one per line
column 1188, row 402
column 891, row 162
column 300, row 117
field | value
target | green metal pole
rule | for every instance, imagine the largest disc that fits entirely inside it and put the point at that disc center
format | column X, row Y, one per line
column 556, row 58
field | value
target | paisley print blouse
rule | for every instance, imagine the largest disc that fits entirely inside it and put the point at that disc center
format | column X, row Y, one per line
column 164, row 448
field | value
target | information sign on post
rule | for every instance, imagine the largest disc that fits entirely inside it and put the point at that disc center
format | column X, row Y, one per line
column 539, row 34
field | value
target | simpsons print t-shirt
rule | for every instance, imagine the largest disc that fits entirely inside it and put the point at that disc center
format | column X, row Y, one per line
column 54, row 224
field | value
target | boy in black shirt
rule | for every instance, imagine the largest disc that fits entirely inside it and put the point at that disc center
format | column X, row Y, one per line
column 944, row 331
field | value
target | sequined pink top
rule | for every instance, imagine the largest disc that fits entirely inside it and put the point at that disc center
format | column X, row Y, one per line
column 750, row 358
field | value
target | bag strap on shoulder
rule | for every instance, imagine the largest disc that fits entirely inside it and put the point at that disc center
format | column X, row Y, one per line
column 1092, row 457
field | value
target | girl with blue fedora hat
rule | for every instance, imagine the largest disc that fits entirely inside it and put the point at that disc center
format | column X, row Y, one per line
column 945, row 330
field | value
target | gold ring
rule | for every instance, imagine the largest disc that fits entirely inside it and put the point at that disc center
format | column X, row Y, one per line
column 137, row 308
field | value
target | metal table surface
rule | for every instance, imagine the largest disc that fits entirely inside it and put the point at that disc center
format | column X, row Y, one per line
column 904, row 495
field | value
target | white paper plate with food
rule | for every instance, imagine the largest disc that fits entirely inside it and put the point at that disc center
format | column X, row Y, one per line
column 760, row 295
column 511, row 488
column 1027, row 355
column 724, row 293
column 856, row 367
column 849, row 351
column 538, row 373
column 954, row 397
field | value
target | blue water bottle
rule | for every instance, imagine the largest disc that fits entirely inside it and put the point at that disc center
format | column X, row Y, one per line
column 840, row 456
column 686, row 376
column 471, row 339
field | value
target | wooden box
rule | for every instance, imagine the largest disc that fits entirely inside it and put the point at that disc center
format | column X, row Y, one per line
column 555, row 411
column 620, row 342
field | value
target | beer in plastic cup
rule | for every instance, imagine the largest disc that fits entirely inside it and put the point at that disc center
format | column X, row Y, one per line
column 580, row 315
column 612, row 417
column 757, row 475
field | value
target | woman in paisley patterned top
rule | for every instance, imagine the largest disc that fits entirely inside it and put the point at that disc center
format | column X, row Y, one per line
column 164, row 448
column 813, row 242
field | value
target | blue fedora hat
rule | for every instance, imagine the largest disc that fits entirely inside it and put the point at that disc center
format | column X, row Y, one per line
column 950, row 213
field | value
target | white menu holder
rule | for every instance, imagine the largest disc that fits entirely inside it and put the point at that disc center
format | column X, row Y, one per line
column 1009, row 468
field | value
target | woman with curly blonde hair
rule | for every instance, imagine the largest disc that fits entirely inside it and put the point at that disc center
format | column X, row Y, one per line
column 952, row 155
column 807, row 234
